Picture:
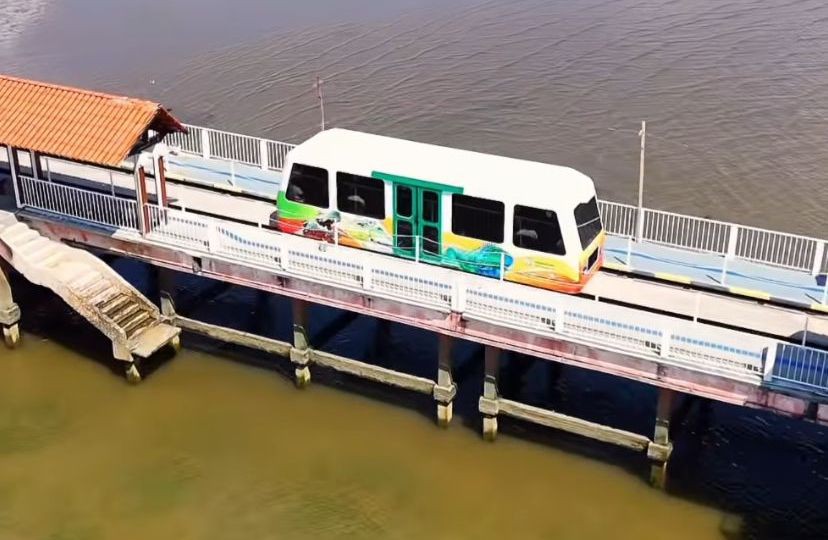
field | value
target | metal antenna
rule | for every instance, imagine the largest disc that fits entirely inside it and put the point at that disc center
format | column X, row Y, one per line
column 640, row 224
column 318, row 87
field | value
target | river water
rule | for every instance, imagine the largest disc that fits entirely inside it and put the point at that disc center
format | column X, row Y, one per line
column 217, row 443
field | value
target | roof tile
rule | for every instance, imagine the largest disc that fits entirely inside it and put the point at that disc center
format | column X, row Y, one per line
column 76, row 124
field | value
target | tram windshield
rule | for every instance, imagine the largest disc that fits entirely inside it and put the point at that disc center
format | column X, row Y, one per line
column 588, row 220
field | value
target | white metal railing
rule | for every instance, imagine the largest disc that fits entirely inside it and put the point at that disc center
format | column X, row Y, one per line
column 661, row 338
column 791, row 251
column 86, row 205
column 235, row 147
column 802, row 366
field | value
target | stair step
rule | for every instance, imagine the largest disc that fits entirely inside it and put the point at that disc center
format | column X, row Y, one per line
column 70, row 272
column 125, row 313
column 14, row 231
column 96, row 288
column 114, row 304
column 52, row 260
column 19, row 240
column 35, row 247
column 102, row 298
column 135, row 321
column 140, row 329
column 87, row 278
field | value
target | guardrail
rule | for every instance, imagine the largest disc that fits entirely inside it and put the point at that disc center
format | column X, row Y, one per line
column 802, row 366
column 660, row 338
column 92, row 206
column 730, row 240
column 215, row 144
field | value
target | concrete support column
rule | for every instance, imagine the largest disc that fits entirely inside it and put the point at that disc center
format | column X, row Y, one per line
column 300, row 352
column 488, row 404
column 445, row 389
column 661, row 447
column 165, row 280
column 122, row 354
column 9, row 311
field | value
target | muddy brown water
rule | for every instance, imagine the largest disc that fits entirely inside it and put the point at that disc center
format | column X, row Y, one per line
column 218, row 444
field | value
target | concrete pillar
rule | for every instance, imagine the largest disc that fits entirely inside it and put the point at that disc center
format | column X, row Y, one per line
column 661, row 447
column 445, row 389
column 300, row 352
column 9, row 311
column 165, row 282
column 488, row 404
column 122, row 354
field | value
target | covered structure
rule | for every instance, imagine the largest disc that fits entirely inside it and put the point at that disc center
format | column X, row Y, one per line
column 79, row 125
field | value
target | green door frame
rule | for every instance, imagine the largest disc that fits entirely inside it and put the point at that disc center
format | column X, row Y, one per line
column 415, row 220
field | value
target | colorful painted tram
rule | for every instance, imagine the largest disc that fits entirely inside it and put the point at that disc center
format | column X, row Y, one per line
column 521, row 221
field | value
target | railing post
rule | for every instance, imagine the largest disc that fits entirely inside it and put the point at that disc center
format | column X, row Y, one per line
column 205, row 143
column 212, row 238
column 233, row 173
column 771, row 353
column 664, row 346
column 335, row 227
column 819, row 252
column 417, row 248
column 458, row 294
column 560, row 315
column 502, row 264
column 629, row 252
column 263, row 157
column 12, row 153
column 367, row 274
column 732, row 240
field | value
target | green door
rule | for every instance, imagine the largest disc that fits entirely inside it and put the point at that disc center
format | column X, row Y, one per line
column 417, row 215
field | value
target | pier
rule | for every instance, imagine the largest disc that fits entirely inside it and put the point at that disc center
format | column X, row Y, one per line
column 692, row 306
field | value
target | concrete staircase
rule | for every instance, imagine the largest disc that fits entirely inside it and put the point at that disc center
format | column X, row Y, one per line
column 93, row 289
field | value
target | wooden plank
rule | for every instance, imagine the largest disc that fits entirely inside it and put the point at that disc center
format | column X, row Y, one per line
column 236, row 337
column 373, row 373
column 570, row 424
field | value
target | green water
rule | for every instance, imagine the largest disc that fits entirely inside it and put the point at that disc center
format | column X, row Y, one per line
column 208, row 448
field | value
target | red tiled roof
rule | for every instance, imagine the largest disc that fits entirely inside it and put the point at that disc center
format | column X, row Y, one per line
column 76, row 124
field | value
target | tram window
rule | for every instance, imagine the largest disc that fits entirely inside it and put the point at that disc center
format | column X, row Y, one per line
column 477, row 218
column 588, row 220
column 360, row 195
column 430, row 206
column 403, row 204
column 308, row 185
column 538, row 230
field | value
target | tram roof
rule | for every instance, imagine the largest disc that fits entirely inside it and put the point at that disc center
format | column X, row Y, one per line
column 483, row 175
column 77, row 124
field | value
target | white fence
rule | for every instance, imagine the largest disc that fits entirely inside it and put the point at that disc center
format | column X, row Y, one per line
column 82, row 204
column 215, row 144
column 731, row 240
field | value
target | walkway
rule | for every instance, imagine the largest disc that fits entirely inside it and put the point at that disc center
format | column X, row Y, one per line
column 744, row 278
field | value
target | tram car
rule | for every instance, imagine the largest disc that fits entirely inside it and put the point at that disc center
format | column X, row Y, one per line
column 517, row 220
